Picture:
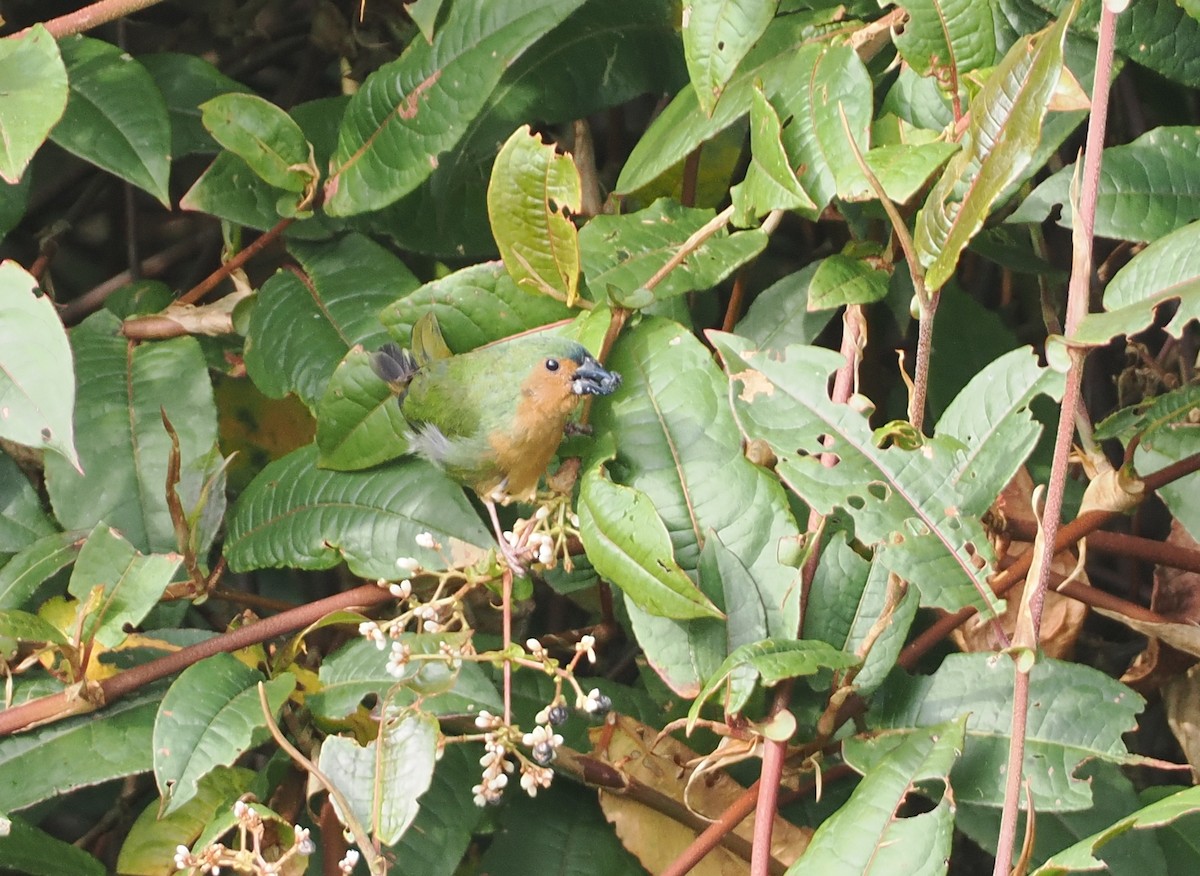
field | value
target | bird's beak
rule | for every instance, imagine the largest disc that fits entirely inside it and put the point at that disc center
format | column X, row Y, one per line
column 591, row 378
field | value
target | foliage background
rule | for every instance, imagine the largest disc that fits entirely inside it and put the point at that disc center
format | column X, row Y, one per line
column 178, row 483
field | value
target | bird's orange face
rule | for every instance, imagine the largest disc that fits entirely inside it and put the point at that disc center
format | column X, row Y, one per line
column 548, row 395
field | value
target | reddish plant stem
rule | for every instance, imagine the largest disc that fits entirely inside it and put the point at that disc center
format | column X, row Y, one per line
column 67, row 703
column 712, row 835
column 1081, row 526
column 94, row 15
column 212, row 280
column 1122, row 544
column 1077, row 306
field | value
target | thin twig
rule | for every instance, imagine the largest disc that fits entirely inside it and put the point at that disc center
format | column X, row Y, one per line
column 689, row 246
column 212, row 280
column 82, row 20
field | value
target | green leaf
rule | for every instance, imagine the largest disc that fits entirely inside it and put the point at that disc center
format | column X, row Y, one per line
column 902, row 170
column 123, row 447
column 1075, row 713
column 294, row 514
column 628, row 544
column 828, row 80
column 614, row 52
column 132, row 584
column 1147, row 188
column 210, row 716
column 947, row 38
column 1166, row 270
column 116, row 118
column 770, row 182
column 991, row 418
column 678, row 444
column 33, row 852
column 1081, row 856
column 842, row 279
column 264, row 136
column 780, row 316
column 78, row 752
column 33, row 95
column 533, row 196
column 186, row 81
column 360, row 669
column 230, row 190
column 442, row 832
column 1164, row 423
column 21, row 626
column 299, row 333
column 410, row 111
column 151, row 842
column 37, row 387
column 868, row 835
column 849, row 595
column 900, row 499
column 474, row 306
column 717, row 34
column 620, row 253
column 21, row 576
column 383, row 781
column 359, row 423
column 562, row 830
column 1001, row 137
column 683, row 126
column 772, row 661
column 22, row 519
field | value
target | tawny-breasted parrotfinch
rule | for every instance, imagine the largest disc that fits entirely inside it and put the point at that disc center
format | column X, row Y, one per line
column 491, row 418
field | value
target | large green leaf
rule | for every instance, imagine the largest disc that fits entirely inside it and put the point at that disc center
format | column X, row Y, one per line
column 869, row 837
column 605, row 54
column 383, row 781
column 628, row 544
column 1166, row 270
column 116, row 118
column 717, row 34
column 211, row 716
column 947, row 38
column 262, row 135
column 780, row 316
column 677, row 444
column 78, row 752
column 533, row 198
column 37, row 386
column 33, row 95
column 1147, row 188
column 442, row 831
column 124, row 450
column 620, row 253
column 360, row 669
column 901, row 500
column 1001, row 137
column 294, row 514
column 474, row 306
column 410, row 111
column 770, row 182
column 827, row 81
column 683, row 125
column 299, row 333
column 1076, row 713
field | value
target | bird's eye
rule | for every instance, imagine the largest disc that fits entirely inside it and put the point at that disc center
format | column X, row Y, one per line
column 551, row 364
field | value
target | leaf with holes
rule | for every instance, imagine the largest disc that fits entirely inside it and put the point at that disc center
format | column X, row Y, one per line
column 717, row 34
column 903, row 502
column 533, row 196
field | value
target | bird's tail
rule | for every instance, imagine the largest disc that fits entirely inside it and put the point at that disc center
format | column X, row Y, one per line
column 395, row 365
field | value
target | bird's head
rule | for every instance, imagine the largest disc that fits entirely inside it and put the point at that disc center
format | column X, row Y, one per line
column 554, row 373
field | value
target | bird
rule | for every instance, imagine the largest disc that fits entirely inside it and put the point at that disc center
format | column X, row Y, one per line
column 491, row 418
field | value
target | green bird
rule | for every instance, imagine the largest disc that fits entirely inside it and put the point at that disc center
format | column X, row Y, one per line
column 492, row 418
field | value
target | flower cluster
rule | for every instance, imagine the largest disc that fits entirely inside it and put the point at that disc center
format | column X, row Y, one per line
column 496, row 767
column 248, row 857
